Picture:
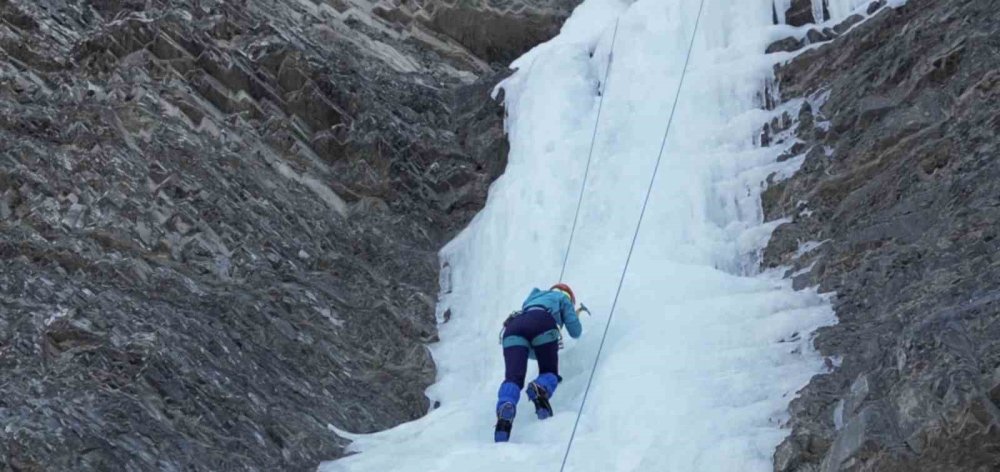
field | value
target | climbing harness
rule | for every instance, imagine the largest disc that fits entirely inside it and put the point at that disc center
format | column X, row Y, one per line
column 544, row 338
column 638, row 226
column 507, row 321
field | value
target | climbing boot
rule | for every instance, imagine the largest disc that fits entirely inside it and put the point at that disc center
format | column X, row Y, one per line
column 540, row 397
column 505, row 420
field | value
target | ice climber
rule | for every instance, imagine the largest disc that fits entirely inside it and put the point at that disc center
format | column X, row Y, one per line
column 534, row 332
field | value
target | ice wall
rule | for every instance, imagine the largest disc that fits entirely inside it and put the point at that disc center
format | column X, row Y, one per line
column 705, row 352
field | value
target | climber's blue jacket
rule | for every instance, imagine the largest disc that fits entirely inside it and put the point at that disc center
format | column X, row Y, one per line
column 559, row 306
column 556, row 304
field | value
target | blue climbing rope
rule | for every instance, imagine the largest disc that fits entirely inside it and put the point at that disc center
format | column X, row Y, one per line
column 635, row 236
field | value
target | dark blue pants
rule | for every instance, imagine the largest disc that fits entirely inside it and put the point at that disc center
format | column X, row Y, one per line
column 528, row 325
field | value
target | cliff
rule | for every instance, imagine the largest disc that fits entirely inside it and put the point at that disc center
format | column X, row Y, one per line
column 894, row 211
column 219, row 220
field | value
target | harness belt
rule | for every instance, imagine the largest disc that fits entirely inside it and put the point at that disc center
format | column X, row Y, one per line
column 552, row 335
column 549, row 336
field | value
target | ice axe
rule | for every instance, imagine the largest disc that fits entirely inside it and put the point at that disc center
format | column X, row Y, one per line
column 583, row 309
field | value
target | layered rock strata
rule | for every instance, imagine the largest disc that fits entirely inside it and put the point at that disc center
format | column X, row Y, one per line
column 895, row 211
column 219, row 220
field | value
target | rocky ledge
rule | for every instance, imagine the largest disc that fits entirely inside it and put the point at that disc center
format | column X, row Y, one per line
column 895, row 210
column 219, row 220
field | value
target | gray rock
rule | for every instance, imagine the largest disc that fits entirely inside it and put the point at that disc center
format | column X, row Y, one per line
column 872, row 108
column 786, row 457
column 814, row 36
column 847, row 24
column 788, row 44
column 219, row 221
column 870, row 430
column 498, row 30
column 800, row 13
column 875, row 6
column 995, row 386
column 856, row 396
column 905, row 103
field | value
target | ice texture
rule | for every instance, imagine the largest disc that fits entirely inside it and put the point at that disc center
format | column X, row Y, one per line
column 704, row 352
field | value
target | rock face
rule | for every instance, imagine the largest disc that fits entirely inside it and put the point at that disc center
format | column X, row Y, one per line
column 899, row 126
column 801, row 12
column 219, row 220
column 495, row 30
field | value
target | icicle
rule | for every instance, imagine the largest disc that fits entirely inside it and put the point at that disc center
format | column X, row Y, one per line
column 820, row 12
column 781, row 9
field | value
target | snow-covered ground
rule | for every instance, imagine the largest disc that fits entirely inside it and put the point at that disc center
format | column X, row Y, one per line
column 704, row 353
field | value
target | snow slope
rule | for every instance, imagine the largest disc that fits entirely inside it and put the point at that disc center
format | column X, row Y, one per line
column 704, row 353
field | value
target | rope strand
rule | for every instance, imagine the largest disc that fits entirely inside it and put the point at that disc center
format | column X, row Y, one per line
column 590, row 155
column 635, row 236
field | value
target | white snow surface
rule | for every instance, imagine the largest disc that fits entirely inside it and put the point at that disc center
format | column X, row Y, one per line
column 704, row 352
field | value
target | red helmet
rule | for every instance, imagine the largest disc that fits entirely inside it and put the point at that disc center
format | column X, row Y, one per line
column 565, row 289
